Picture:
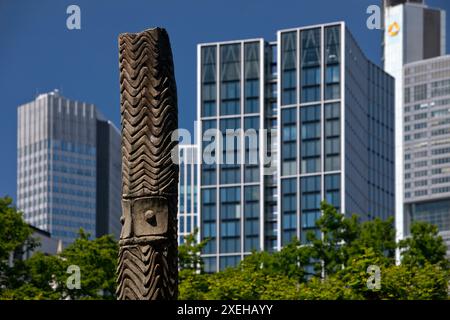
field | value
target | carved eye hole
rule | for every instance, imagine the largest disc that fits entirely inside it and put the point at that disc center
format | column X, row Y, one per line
column 150, row 217
column 122, row 219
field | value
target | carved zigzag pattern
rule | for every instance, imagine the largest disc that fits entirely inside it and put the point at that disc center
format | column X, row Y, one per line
column 144, row 273
column 149, row 113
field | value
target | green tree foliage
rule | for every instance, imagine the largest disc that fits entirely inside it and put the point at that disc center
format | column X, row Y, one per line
column 344, row 238
column 97, row 260
column 341, row 256
column 242, row 283
column 189, row 253
column 45, row 277
column 286, row 262
column 331, row 288
column 192, row 284
column 429, row 282
column 327, row 249
column 14, row 232
column 15, row 238
column 38, row 279
column 248, row 281
column 423, row 246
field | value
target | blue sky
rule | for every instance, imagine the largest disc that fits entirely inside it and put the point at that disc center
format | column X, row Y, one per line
column 38, row 53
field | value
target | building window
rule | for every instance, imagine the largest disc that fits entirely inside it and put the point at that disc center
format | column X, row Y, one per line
column 332, row 190
column 251, row 75
column 251, row 215
column 288, row 68
column 230, row 169
column 210, row 265
column 289, row 141
column 310, row 139
column 434, row 212
column 188, row 189
column 310, row 65
column 309, row 204
column 332, row 62
column 420, row 92
column 440, row 88
column 251, row 141
column 208, row 78
column 209, row 219
column 181, row 224
column 209, row 129
column 332, row 136
column 230, row 87
column 230, row 219
column 229, row 262
column 288, row 210
column 182, row 189
column 407, row 96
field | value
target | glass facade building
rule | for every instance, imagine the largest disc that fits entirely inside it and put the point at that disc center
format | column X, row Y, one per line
column 427, row 142
column 59, row 168
column 231, row 84
column 412, row 32
column 109, row 179
column 187, row 192
column 331, row 113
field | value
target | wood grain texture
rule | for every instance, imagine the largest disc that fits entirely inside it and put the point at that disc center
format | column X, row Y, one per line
column 147, row 268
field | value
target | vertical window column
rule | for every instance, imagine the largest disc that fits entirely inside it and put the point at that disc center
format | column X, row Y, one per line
column 310, row 139
column 251, row 215
column 310, row 205
column 209, row 219
column 230, row 220
column 289, row 68
column 310, row 65
column 332, row 136
column 332, row 190
column 288, row 210
column 230, row 79
column 230, row 168
column 332, row 63
column 289, row 141
column 209, row 132
column 251, row 143
column 252, row 77
column 208, row 81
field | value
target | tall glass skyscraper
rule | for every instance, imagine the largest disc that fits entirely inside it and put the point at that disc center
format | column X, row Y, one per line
column 332, row 113
column 412, row 32
column 109, row 179
column 427, row 143
column 61, row 169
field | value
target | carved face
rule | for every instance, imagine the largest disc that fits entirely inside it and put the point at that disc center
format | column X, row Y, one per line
column 144, row 217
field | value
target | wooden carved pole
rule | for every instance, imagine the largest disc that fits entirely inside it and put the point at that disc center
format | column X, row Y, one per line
column 147, row 268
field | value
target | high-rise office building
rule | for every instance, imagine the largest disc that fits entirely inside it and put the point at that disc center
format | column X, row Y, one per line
column 412, row 32
column 332, row 111
column 427, row 143
column 187, row 192
column 109, row 180
column 62, row 169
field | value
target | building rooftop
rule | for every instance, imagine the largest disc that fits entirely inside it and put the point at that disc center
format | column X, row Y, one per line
column 392, row 3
